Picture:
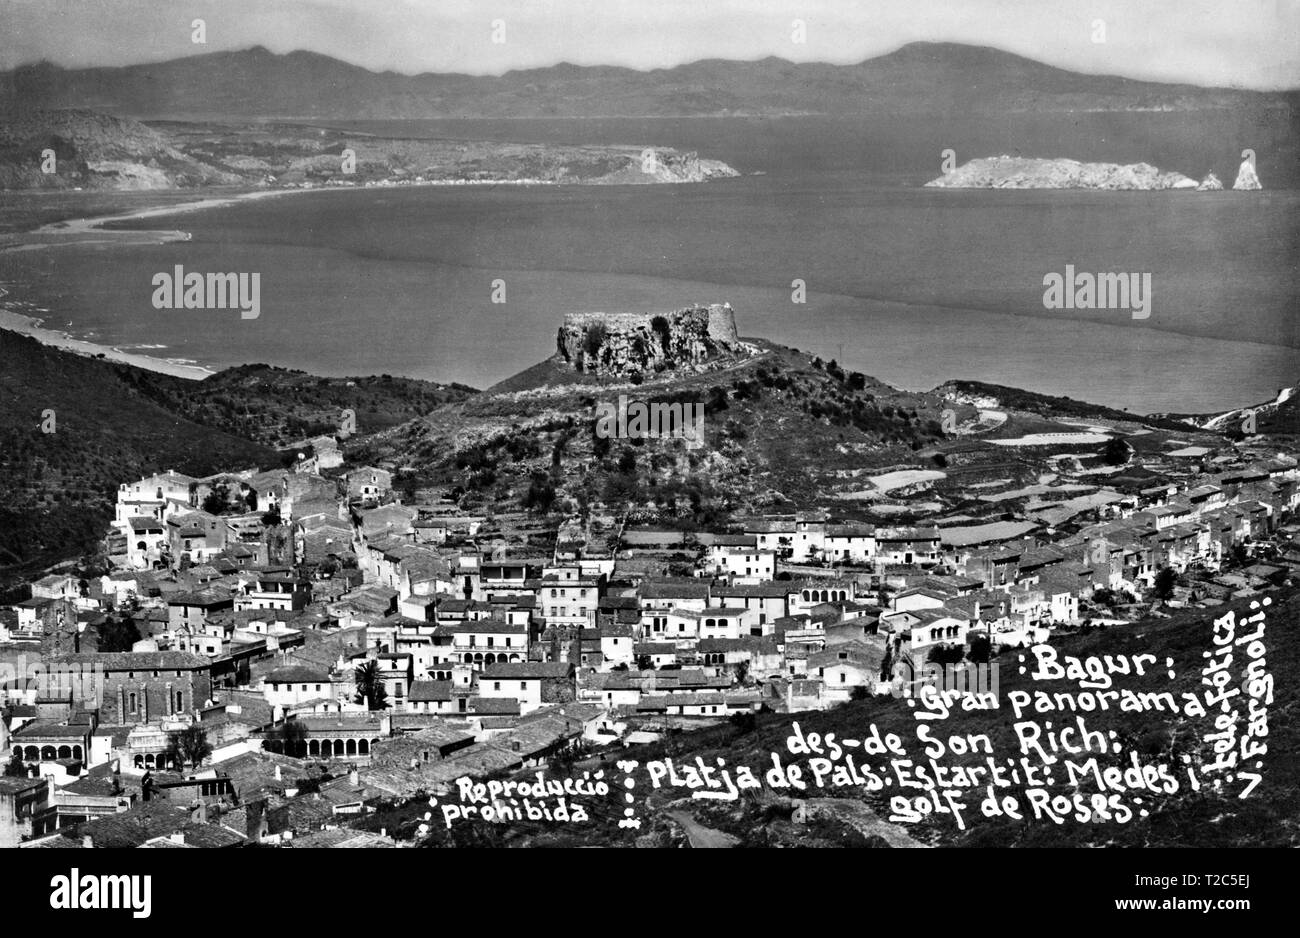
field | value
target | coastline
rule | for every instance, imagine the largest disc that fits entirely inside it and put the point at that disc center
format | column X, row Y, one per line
column 31, row 326
column 90, row 230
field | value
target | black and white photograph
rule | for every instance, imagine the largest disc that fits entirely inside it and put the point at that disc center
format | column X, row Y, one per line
column 676, row 425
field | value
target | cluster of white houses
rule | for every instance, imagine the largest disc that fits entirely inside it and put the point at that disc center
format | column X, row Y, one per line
column 351, row 627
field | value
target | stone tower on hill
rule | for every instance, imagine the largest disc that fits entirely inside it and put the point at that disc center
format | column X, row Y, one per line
column 622, row 344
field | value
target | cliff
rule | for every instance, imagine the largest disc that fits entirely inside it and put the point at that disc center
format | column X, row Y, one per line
column 621, row 344
column 96, row 151
column 1013, row 172
column 1247, row 178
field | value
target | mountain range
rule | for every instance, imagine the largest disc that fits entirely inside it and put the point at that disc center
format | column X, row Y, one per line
column 916, row 78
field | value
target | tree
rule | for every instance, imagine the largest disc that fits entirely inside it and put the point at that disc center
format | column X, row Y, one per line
column 217, row 501
column 861, row 692
column 742, row 672
column 744, row 721
column 945, row 654
column 118, row 633
column 189, row 745
column 370, row 686
column 1115, row 452
column 271, row 518
column 290, row 738
column 1165, row 581
column 16, row 767
column 562, row 759
column 981, row 649
column 644, row 663
column 541, row 493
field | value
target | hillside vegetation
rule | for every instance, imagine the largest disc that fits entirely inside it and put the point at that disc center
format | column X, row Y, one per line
column 113, row 423
column 57, row 489
column 776, row 428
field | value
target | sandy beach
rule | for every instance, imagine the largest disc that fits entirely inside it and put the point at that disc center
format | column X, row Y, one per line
column 29, row 325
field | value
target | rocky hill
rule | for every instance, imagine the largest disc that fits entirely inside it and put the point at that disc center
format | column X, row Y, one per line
column 96, row 151
column 779, row 428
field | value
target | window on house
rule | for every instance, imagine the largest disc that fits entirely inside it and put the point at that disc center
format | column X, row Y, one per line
column 496, row 685
column 131, row 706
column 523, row 685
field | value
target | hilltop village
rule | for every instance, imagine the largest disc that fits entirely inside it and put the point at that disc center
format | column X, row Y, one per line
column 270, row 656
column 274, row 651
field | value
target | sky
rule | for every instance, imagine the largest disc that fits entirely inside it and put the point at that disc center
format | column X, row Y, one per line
column 1234, row 43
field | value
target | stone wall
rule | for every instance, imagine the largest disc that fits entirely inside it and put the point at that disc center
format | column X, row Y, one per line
column 628, row 343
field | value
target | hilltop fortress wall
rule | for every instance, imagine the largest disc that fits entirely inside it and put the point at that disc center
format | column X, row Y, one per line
column 627, row 343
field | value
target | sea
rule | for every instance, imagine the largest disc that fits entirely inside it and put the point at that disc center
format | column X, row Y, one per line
column 828, row 241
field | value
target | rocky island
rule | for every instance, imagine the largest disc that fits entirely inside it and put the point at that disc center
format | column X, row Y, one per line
column 1014, row 172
